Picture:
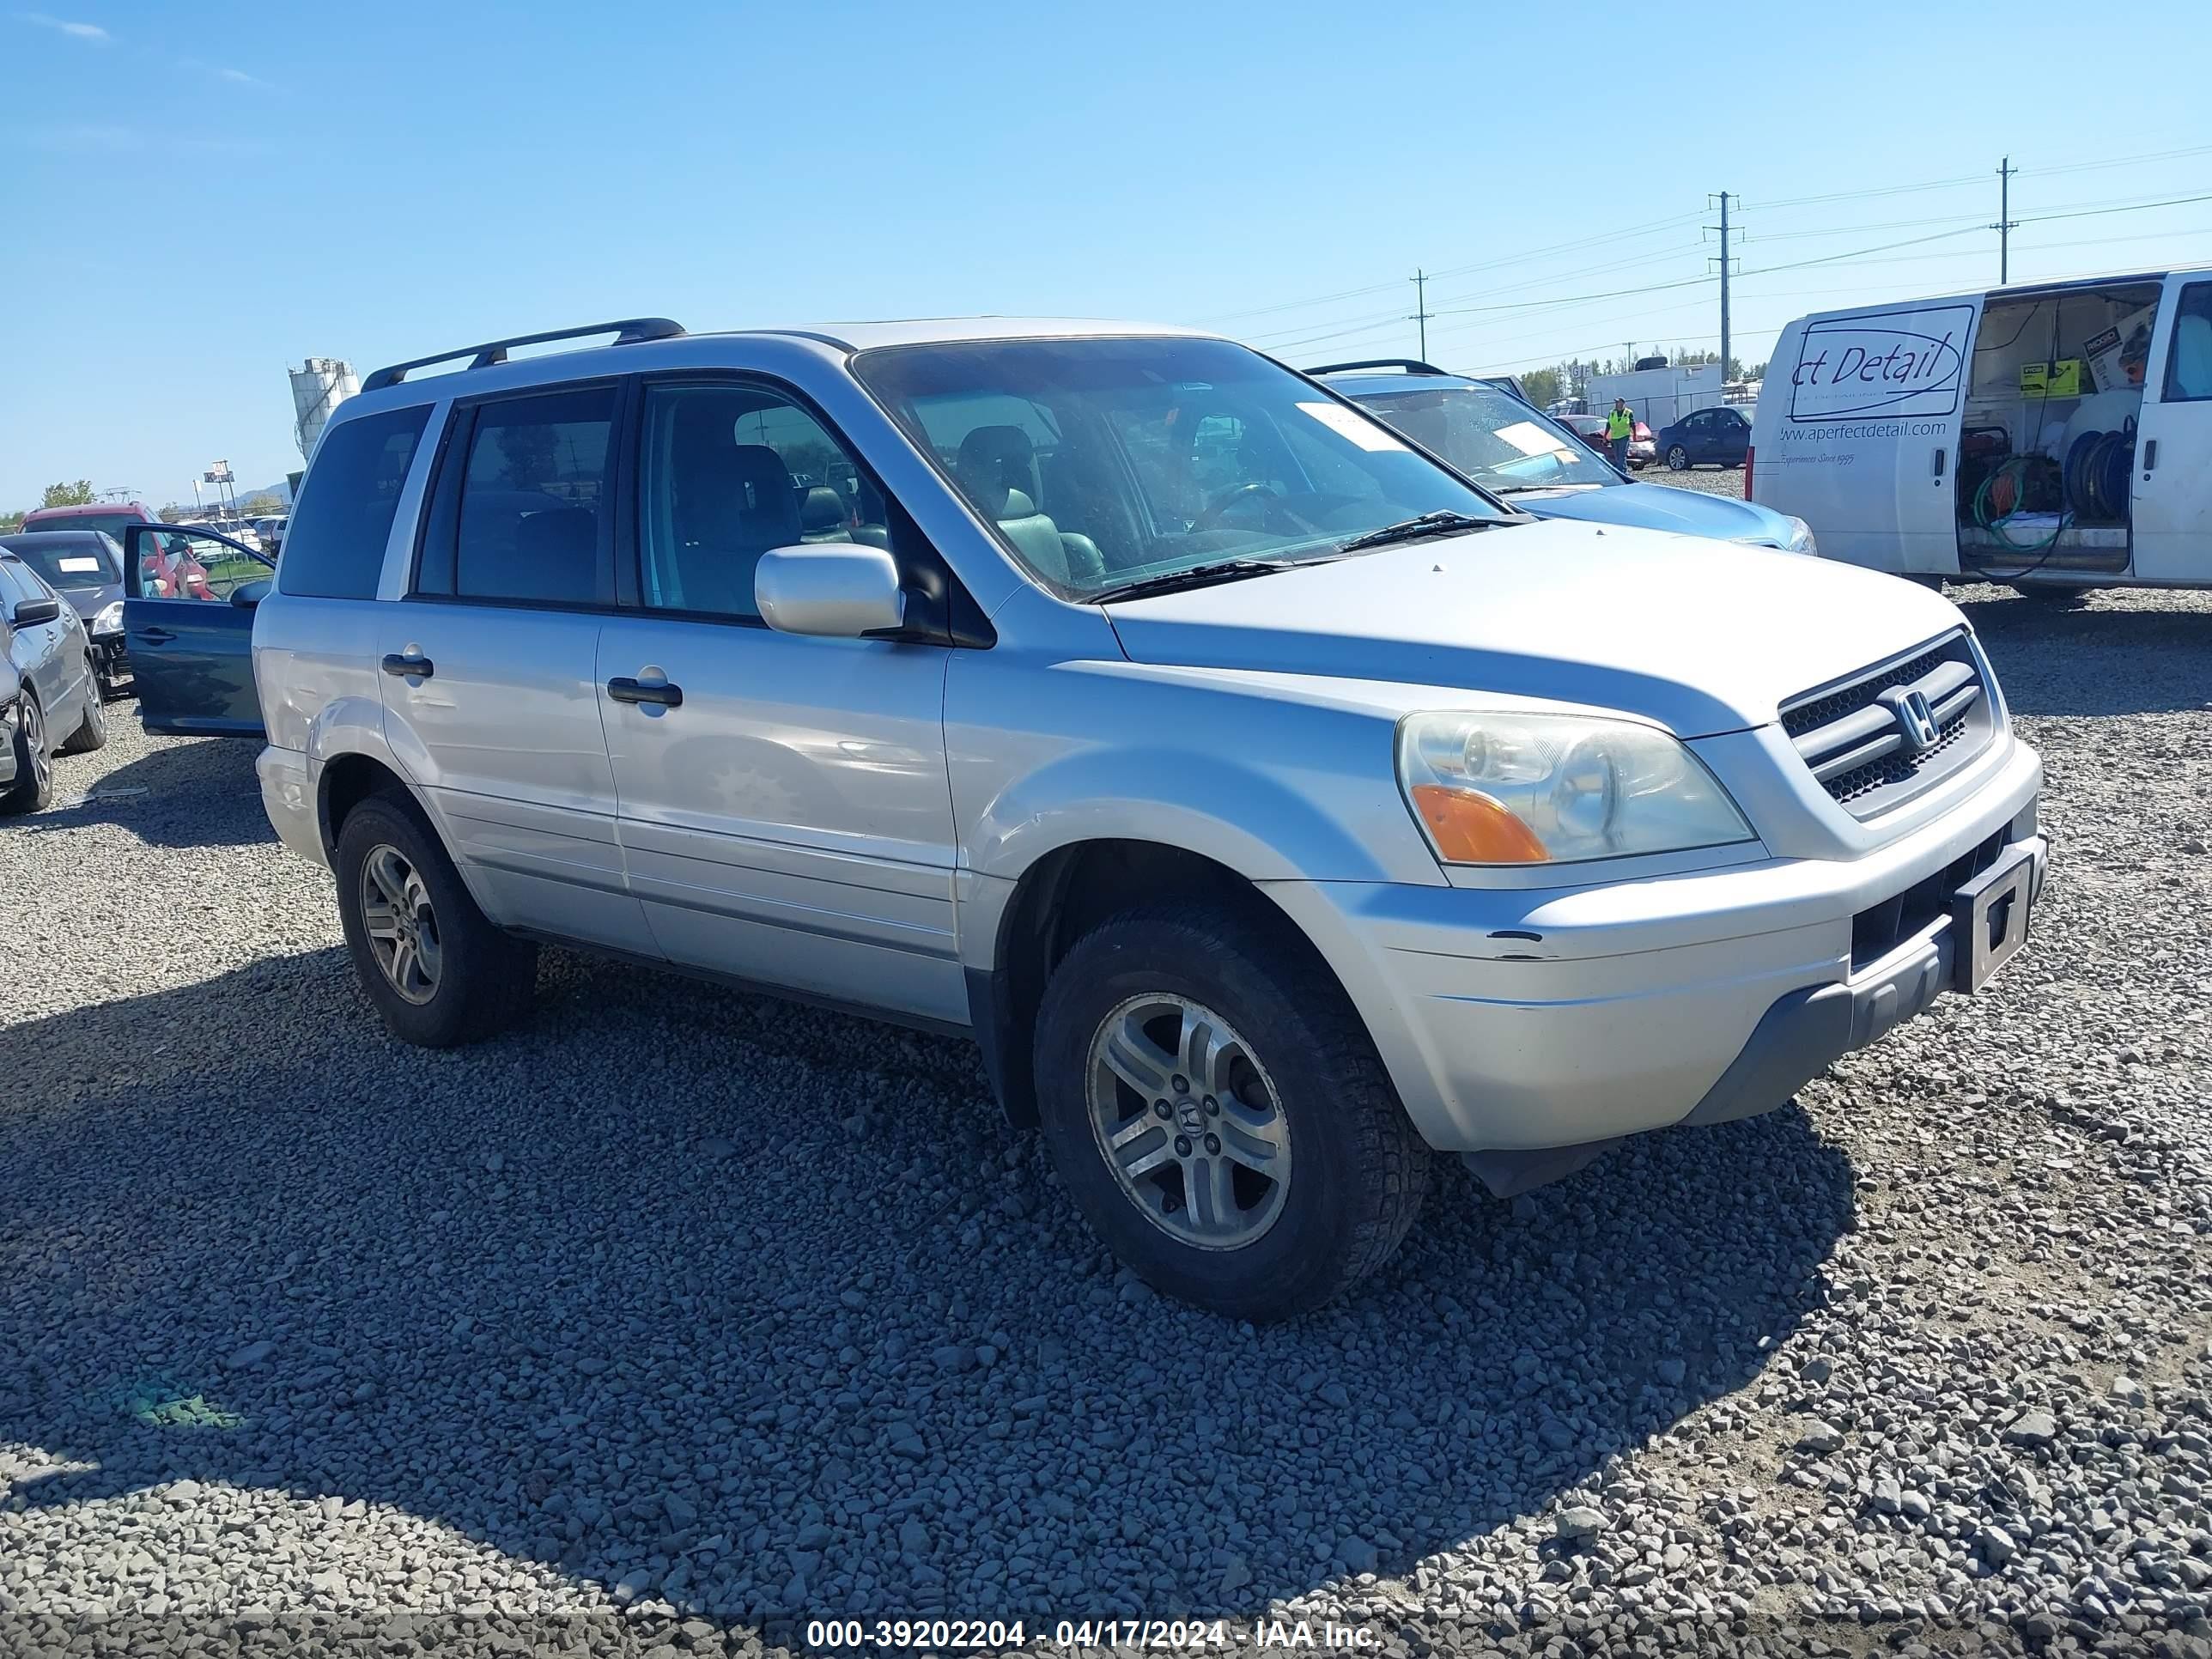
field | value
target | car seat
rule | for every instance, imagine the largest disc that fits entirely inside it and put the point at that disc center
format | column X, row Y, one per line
column 996, row 465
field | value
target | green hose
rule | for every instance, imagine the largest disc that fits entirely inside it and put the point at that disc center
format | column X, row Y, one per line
column 1998, row 525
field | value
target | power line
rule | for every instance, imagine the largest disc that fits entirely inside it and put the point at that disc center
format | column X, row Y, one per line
column 1654, row 226
column 2118, row 161
column 1649, row 229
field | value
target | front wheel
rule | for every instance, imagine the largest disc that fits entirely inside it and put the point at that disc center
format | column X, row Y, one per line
column 1220, row 1113
column 1678, row 459
column 33, row 787
column 92, row 732
column 435, row 966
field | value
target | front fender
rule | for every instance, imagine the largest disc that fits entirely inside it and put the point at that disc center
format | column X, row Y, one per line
column 1272, row 785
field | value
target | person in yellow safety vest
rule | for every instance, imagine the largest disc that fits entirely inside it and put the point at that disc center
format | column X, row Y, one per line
column 1619, row 427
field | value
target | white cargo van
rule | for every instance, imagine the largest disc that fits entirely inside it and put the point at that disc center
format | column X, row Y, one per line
column 2056, row 436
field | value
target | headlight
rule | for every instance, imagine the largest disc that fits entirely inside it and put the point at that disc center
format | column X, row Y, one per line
column 1801, row 538
column 110, row 619
column 1532, row 788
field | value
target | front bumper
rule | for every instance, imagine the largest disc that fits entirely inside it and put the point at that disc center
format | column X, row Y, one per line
column 1534, row 1027
column 111, row 664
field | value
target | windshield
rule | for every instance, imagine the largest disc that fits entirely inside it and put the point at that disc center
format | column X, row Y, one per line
column 1103, row 462
column 68, row 559
column 1495, row 439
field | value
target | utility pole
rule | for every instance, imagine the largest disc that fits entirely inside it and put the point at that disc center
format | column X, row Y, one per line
column 1421, row 311
column 2006, row 223
column 1723, row 228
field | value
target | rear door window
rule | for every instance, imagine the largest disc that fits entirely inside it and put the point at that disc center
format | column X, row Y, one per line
column 335, row 549
column 532, row 521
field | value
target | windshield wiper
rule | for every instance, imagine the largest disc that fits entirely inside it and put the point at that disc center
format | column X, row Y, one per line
column 1444, row 522
column 1198, row 575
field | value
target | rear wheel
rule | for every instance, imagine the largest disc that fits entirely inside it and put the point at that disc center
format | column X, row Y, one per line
column 33, row 787
column 1678, row 458
column 1220, row 1115
column 92, row 732
column 434, row 966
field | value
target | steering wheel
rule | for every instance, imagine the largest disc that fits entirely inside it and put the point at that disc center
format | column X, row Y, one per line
column 1211, row 515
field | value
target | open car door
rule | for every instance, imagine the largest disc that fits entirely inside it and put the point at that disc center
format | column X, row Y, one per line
column 189, row 596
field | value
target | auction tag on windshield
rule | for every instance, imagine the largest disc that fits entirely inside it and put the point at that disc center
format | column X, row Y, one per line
column 1532, row 439
column 78, row 564
column 1345, row 424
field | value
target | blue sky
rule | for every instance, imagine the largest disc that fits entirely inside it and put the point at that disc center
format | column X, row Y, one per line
column 376, row 182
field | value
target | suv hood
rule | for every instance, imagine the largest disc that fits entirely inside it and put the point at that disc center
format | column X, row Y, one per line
column 1699, row 635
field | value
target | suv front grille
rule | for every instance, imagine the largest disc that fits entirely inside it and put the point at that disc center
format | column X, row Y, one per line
column 1862, row 741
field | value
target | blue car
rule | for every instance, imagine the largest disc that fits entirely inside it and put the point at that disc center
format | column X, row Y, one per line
column 1512, row 449
column 1719, row 437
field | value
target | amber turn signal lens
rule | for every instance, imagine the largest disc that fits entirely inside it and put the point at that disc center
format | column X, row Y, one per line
column 1471, row 829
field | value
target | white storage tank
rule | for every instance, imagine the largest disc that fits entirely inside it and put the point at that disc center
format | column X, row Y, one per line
column 319, row 386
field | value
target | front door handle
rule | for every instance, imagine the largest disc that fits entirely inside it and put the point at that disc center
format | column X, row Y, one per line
column 2150, row 456
column 623, row 689
column 409, row 668
column 156, row 636
column 1941, row 457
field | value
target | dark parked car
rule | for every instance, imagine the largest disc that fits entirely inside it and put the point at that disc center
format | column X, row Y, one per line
column 1720, row 436
column 56, row 707
column 85, row 567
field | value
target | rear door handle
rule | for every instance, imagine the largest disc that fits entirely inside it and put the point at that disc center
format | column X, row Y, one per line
column 409, row 668
column 156, row 636
column 1941, row 457
column 2150, row 456
column 623, row 689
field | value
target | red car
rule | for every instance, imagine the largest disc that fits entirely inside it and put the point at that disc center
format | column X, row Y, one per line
column 110, row 516
column 1641, row 451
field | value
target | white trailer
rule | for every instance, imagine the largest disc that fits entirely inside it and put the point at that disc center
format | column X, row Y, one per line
column 1658, row 396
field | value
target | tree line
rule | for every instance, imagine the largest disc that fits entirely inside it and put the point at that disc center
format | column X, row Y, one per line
column 80, row 494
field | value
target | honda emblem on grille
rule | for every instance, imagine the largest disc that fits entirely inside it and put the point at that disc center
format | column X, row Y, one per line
column 1916, row 721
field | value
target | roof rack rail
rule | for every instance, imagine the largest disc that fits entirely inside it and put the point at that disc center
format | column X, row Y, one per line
column 1410, row 365
column 630, row 331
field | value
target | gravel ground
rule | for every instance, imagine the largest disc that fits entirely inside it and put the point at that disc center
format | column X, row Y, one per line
column 679, row 1317
column 1706, row 480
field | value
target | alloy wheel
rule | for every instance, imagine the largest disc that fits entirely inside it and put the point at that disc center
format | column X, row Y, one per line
column 402, row 925
column 34, row 739
column 1679, row 459
column 1188, row 1121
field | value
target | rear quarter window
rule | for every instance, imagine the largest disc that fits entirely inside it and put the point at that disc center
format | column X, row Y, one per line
column 334, row 544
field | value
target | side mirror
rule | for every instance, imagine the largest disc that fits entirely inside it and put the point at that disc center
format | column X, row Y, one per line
column 247, row 595
column 831, row 590
column 29, row 613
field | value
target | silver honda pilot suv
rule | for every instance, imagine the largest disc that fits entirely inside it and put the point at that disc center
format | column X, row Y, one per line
column 1275, row 808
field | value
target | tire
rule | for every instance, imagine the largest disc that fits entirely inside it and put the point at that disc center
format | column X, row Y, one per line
column 33, row 787
column 1301, row 1081
column 1678, row 459
column 92, row 733
column 465, row 980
